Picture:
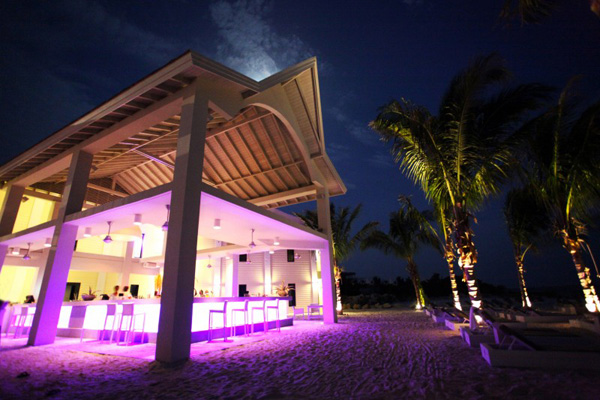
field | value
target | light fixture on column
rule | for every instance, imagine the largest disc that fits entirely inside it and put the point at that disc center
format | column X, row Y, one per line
column 271, row 251
column 209, row 266
column 252, row 244
column 88, row 232
column 107, row 238
column 48, row 242
column 276, row 242
column 26, row 257
column 165, row 226
column 137, row 219
column 16, row 251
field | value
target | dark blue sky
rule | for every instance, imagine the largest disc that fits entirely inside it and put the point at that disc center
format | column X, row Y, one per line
column 62, row 58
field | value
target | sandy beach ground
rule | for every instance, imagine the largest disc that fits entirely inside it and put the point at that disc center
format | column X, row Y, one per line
column 383, row 354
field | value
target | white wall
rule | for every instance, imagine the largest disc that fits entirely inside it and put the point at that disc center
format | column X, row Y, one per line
column 297, row 272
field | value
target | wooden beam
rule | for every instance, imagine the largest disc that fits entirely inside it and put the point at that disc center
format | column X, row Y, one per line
column 283, row 196
column 154, row 158
column 107, row 190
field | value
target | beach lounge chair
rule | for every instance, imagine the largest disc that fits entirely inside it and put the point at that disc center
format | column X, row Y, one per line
column 539, row 349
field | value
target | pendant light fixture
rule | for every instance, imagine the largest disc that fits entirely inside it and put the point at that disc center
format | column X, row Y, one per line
column 16, row 251
column 137, row 219
column 276, row 242
column 209, row 266
column 48, row 242
column 26, row 257
column 107, row 239
column 88, row 232
column 252, row 244
column 217, row 224
column 165, row 226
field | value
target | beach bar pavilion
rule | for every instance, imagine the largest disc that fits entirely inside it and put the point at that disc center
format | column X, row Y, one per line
column 172, row 187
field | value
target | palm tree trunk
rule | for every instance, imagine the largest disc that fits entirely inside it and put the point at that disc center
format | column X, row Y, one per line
column 338, row 290
column 467, row 253
column 521, row 272
column 416, row 281
column 449, row 256
column 589, row 292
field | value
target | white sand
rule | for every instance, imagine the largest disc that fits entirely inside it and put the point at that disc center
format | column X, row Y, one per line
column 389, row 354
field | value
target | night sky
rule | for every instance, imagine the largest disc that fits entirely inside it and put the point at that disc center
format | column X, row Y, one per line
column 62, row 58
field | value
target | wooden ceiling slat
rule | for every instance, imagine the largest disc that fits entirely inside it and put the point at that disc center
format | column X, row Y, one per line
column 226, row 163
column 216, row 158
column 255, row 159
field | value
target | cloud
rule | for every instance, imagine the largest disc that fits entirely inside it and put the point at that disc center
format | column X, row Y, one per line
column 250, row 44
column 91, row 16
column 382, row 160
column 357, row 129
column 338, row 152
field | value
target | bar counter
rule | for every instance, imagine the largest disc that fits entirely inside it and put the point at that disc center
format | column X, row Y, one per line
column 90, row 315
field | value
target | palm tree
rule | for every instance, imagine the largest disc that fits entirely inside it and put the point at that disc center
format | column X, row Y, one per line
column 344, row 241
column 445, row 223
column 526, row 221
column 534, row 11
column 462, row 156
column 565, row 167
column 409, row 230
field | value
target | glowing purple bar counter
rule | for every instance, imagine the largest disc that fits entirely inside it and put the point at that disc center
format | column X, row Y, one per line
column 90, row 315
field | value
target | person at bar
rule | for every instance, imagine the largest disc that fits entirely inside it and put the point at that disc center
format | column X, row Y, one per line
column 126, row 294
column 29, row 299
column 115, row 294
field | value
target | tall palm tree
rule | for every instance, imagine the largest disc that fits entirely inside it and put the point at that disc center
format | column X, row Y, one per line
column 462, row 156
column 534, row 11
column 345, row 242
column 565, row 165
column 526, row 221
column 409, row 230
column 445, row 223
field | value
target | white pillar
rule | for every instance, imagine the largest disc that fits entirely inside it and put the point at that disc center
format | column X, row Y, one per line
column 40, row 273
column 45, row 320
column 235, row 276
column 268, row 276
column 314, row 279
column 10, row 208
column 327, row 274
column 216, row 277
column 3, row 251
column 127, row 264
column 175, row 324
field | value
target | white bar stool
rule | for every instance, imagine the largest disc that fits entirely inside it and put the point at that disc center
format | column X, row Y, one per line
column 260, row 308
column 276, row 309
column 111, row 311
column 21, row 320
column 131, row 317
column 211, row 313
column 298, row 311
column 245, row 312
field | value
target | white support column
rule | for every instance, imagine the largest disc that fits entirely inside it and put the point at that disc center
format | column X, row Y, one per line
column 216, row 277
column 268, row 276
column 45, row 321
column 327, row 273
column 235, row 276
column 127, row 264
column 3, row 251
column 174, row 328
column 10, row 208
column 40, row 274
column 314, row 280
